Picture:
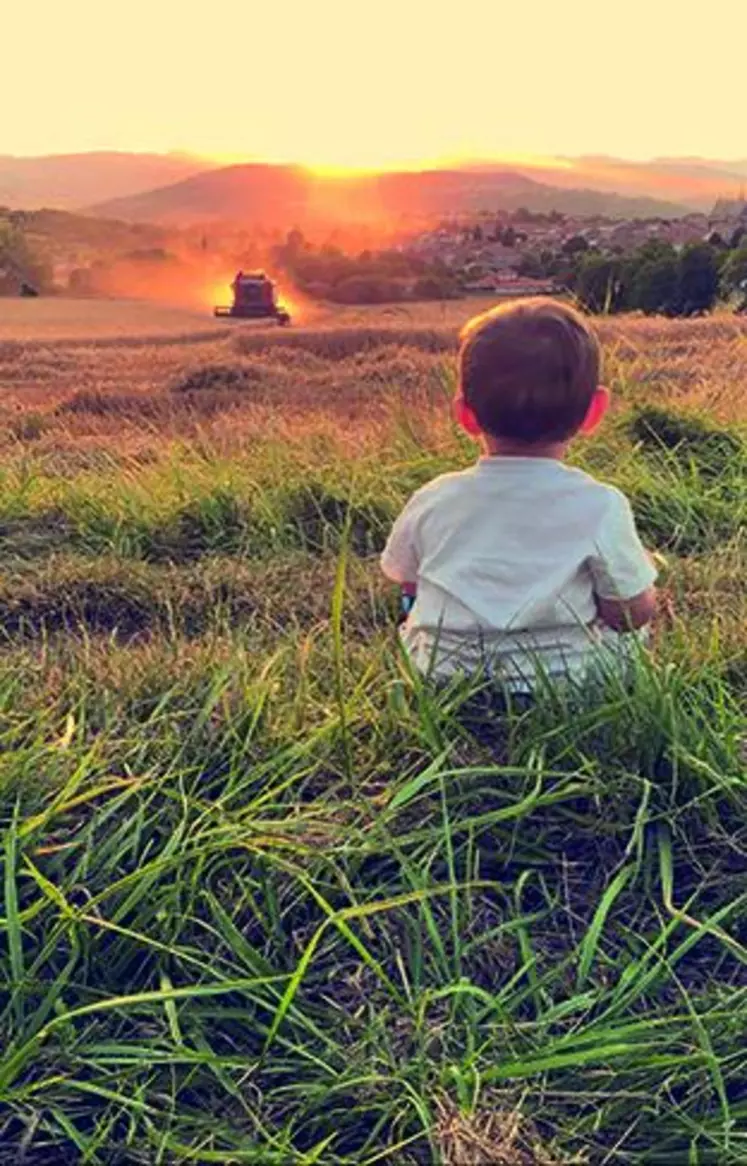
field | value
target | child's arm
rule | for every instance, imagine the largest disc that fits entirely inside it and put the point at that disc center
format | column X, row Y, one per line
column 629, row 615
column 400, row 558
column 623, row 572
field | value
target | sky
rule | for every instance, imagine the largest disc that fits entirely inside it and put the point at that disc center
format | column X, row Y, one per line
column 375, row 83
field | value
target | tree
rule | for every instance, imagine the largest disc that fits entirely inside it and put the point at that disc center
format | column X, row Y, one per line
column 734, row 275
column 653, row 250
column 295, row 242
column 698, row 279
column 654, row 286
column 18, row 262
column 600, row 285
column 576, row 245
column 531, row 265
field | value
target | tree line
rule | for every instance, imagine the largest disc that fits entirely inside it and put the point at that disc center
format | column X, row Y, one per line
column 655, row 279
column 369, row 277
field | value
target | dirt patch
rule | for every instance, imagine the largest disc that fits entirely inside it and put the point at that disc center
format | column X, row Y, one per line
column 489, row 1137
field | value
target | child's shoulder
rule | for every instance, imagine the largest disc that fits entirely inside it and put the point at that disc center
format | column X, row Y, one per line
column 603, row 499
column 454, row 481
column 587, row 481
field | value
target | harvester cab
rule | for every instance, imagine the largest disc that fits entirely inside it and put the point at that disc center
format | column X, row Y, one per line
column 254, row 299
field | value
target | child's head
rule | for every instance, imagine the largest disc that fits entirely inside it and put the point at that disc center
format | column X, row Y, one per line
column 529, row 374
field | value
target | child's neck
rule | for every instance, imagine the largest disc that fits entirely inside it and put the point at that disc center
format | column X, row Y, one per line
column 503, row 447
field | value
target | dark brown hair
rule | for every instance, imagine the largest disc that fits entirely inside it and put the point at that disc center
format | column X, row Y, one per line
column 528, row 370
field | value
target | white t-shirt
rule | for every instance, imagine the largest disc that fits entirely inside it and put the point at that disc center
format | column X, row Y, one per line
column 507, row 557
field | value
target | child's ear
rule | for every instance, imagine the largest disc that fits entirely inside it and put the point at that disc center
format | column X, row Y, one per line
column 464, row 417
column 597, row 409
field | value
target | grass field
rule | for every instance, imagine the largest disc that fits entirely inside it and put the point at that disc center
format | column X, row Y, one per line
column 268, row 899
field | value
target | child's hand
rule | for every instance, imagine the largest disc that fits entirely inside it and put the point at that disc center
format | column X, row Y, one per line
column 627, row 615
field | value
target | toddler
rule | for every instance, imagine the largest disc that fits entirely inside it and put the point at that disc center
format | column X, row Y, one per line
column 522, row 565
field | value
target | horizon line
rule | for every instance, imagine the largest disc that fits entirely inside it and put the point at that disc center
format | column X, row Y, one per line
column 221, row 159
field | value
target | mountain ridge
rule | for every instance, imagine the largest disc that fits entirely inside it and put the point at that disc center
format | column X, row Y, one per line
column 73, row 181
column 276, row 194
column 108, row 181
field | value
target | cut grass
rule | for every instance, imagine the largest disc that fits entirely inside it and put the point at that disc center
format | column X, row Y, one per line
column 267, row 898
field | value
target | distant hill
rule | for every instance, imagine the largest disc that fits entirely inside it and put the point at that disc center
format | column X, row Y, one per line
column 74, row 181
column 276, row 195
column 64, row 232
column 177, row 188
column 696, row 182
column 232, row 192
column 734, row 167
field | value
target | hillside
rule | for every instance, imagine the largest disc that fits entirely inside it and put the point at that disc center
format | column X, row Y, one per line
column 696, row 182
column 733, row 168
column 275, row 194
column 72, row 181
column 589, row 184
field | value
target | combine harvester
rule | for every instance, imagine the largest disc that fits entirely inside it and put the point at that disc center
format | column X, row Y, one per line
column 254, row 299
